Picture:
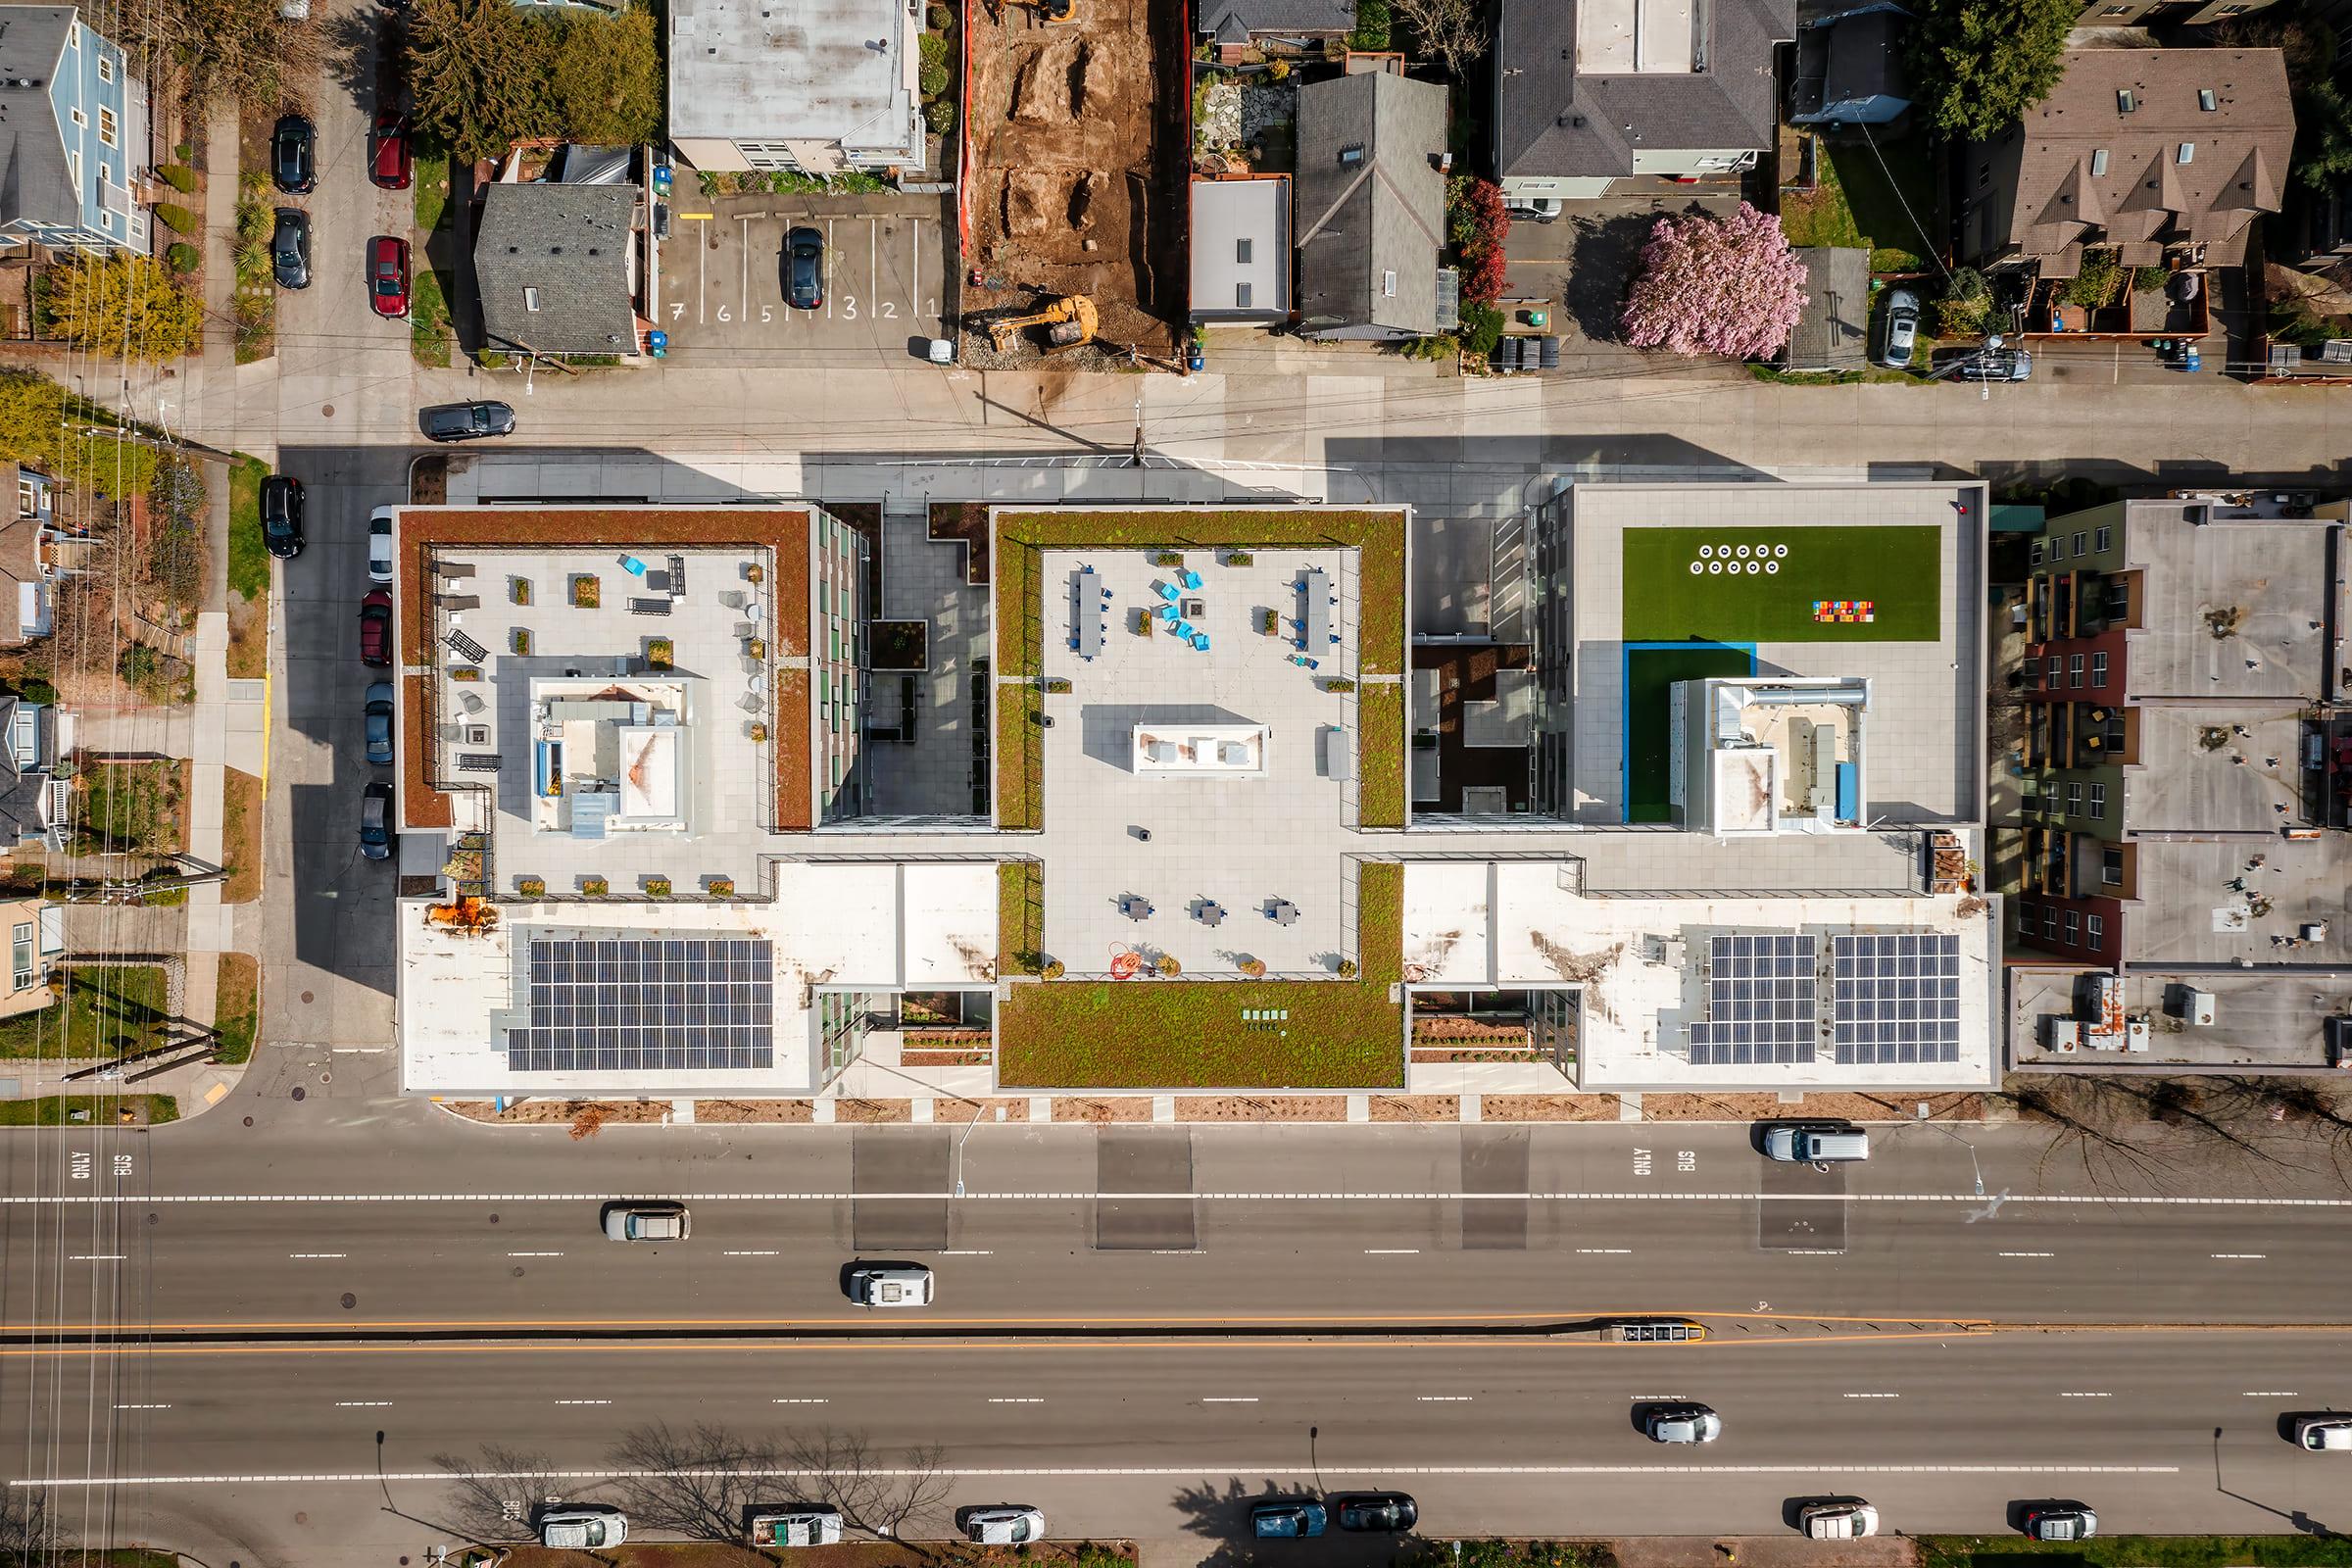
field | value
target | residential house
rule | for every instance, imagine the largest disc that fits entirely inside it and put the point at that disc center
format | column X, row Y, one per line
column 73, row 134
column 2181, row 788
column 1371, row 220
column 24, row 566
column 1592, row 93
column 1241, row 251
column 1833, row 332
column 1276, row 26
column 817, row 86
column 36, row 936
column 2147, row 150
column 2169, row 13
column 559, row 264
column 34, row 803
column 1849, row 68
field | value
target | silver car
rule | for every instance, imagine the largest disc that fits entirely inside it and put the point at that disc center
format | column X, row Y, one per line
column 378, row 713
column 647, row 1222
column 1900, row 335
column 2061, row 1521
column 1681, row 1423
column 1005, row 1524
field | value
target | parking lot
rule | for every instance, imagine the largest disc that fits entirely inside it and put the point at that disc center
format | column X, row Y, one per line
column 886, row 278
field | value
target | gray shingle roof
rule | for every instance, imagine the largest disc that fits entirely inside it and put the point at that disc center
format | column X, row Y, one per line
column 21, row 794
column 1234, row 21
column 1371, row 202
column 1833, row 332
column 569, row 243
column 32, row 152
column 1557, row 122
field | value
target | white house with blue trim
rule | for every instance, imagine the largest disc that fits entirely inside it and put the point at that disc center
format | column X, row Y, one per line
column 73, row 134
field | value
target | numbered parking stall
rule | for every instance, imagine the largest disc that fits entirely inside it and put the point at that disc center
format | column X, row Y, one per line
column 880, row 278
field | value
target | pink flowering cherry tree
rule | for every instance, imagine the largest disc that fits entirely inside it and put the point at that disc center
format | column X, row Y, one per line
column 1716, row 285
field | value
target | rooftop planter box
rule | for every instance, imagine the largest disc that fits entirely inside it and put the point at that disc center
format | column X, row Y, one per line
column 530, row 887
column 518, row 589
column 519, row 640
column 1167, row 557
column 587, row 590
column 720, row 886
column 657, row 887
column 594, row 887
column 658, row 652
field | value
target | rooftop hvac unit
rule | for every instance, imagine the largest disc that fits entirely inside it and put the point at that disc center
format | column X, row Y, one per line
column 2135, row 1035
column 2197, row 1008
column 2338, row 1033
column 2062, row 1035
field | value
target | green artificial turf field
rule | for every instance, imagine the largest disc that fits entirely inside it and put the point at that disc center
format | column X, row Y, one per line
column 1649, row 673
column 1899, row 570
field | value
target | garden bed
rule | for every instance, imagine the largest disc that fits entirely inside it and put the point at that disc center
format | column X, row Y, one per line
column 108, row 1011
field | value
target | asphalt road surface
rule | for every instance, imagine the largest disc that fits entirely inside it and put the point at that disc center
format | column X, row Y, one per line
column 1138, row 1326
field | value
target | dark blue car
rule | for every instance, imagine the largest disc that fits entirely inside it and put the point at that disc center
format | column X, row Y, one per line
column 1287, row 1519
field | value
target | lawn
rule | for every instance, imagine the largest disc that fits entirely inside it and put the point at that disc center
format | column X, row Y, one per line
column 2138, row 1551
column 1856, row 204
column 109, row 1010
column 430, row 333
column 1020, row 916
column 1380, row 756
column 240, row 836
column 248, row 572
column 132, row 807
column 1899, row 570
column 1020, row 753
column 428, row 319
column 1172, row 1034
column 1649, row 719
column 238, row 1007
column 56, row 1110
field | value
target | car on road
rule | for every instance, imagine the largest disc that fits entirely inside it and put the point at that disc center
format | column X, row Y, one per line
column 465, row 421
column 1287, row 1519
column 1898, row 328
column 1837, row 1519
column 1815, row 1143
column 811, row 1526
column 380, row 544
column 2324, row 1434
column 388, row 277
column 1681, row 1423
column 891, row 1284
column 388, row 161
column 294, row 155
column 375, row 827
column 581, row 1527
column 1998, row 365
column 1001, row 1524
column 379, row 714
column 1389, row 1513
column 290, row 248
column 281, row 516
column 646, row 1221
column 376, row 627
column 805, row 269
column 2061, row 1521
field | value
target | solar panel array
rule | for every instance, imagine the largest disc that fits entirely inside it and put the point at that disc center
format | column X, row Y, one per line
column 647, row 1004
column 1761, row 1001
column 1897, row 998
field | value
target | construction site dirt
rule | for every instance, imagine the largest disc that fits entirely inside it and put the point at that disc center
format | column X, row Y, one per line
column 1079, row 133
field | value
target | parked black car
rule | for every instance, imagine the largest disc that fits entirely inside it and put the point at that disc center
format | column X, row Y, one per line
column 805, row 269
column 1388, row 1512
column 281, row 516
column 376, row 822
column 293, row 156
column 1998, row 365
column 290, row 248
column 465, row 421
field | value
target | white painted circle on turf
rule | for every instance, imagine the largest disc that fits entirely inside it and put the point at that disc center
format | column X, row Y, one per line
column 1779, row 549
column 1714, row 567
column 1772, row 566
column 1706, row 552
column 1741, row 551
column 1697, row 566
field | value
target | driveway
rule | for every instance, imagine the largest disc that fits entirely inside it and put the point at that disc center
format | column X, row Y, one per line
column 1576, row 268
column 885, row 280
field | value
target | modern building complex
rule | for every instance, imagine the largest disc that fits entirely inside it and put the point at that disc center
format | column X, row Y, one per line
column 73, row 134
column 2186, row 771
column 777, row 800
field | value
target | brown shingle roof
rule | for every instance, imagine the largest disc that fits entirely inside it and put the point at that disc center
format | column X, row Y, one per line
column 2145, row 192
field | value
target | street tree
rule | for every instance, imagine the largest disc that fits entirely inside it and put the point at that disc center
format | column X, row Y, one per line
column 699, row 1481
column 485, row 74
column 493, row 1500
column 1716, row 285
column 606, row 77
column 1986, row 61
column 875, row 1490
column 1452, row 32
column 123, row 306
column 240, row 49
column 2323, row 137
column 30, row 1532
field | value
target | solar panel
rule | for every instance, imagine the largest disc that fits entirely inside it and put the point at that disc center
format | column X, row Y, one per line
column 1762, row 1007
column 1897, row 998
column 613, row 1003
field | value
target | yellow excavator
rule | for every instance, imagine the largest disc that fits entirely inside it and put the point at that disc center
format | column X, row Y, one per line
column 1069, row 322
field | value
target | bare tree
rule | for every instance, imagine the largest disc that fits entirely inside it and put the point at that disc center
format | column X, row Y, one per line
column 2144, row 1131
column 873, row 1491
column 1453, row 32
column 494, row 1500
column 699, row 1481
column 28, row 1531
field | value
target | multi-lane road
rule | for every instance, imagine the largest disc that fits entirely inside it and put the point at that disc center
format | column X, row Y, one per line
column 1137, row 1326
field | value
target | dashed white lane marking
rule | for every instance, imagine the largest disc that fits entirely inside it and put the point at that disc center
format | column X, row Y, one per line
column 2094, row 1395
column 1606, row 1251
column 2251, row 1257
column 1392, row 1252
column 2013, row 1201
column 1195, row 1471
column 142, row 1407
column 363, row 1404
column 1870, row 1396
column 95, row 1257
column 1175, row 1252
column 759, row 1252
column 583, row 1401
column 1016, row 1400
column 534, row 1255
column 1228, row 1398
column 965, row 1252
column 1445, row 1399
column 796, row 1402
column 2271, row 1393
column 317, row 1254
column 2028, row 1254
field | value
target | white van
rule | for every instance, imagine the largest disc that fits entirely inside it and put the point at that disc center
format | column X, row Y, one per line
column 1818, row 1145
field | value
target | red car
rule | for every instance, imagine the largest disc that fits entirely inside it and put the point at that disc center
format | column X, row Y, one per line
column 376, row 627
column 388, row 152
column 388, row 276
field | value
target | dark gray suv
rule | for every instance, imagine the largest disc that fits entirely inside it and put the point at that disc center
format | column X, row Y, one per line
column 467, row 421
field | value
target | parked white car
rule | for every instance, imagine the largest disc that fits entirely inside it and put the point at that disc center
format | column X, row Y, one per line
column 1006, row 1524
column 582, row 1526
column 1837, row 1519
